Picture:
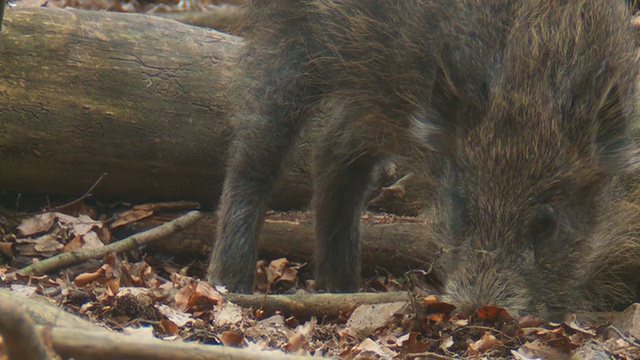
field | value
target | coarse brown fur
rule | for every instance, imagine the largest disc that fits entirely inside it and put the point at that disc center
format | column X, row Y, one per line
column 521, row 109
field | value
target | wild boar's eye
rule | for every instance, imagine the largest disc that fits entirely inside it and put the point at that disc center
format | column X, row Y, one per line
column 542, row 226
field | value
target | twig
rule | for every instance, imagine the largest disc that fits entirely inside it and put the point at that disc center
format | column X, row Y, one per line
column 628, row 339
column 169, row 206
column 86, row 195
column 307, row 305
column 21, row 337
column 78, row 256
column 489, row 329
column 425, row 273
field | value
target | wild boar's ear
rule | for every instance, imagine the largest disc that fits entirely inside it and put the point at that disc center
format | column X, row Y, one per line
column 436, row 126
column 611, row 123
column 445, row 98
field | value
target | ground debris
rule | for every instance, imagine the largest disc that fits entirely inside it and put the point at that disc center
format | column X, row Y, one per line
column 145, row 297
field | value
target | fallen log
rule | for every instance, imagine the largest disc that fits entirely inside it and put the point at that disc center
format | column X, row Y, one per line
column 138, row 97
column 226, row 18
column 389, row 244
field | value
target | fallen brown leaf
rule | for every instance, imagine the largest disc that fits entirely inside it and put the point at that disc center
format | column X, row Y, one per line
column 486, row 343
column 412, row 345
column 232, row 338
column 131, row 216
column 169, row 327
column 85, row 278
column 37, row 224
column 493, row 313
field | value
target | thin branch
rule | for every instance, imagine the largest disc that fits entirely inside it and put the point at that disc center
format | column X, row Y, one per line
column 86, row 195
column 307, row 305
column 78, row 256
